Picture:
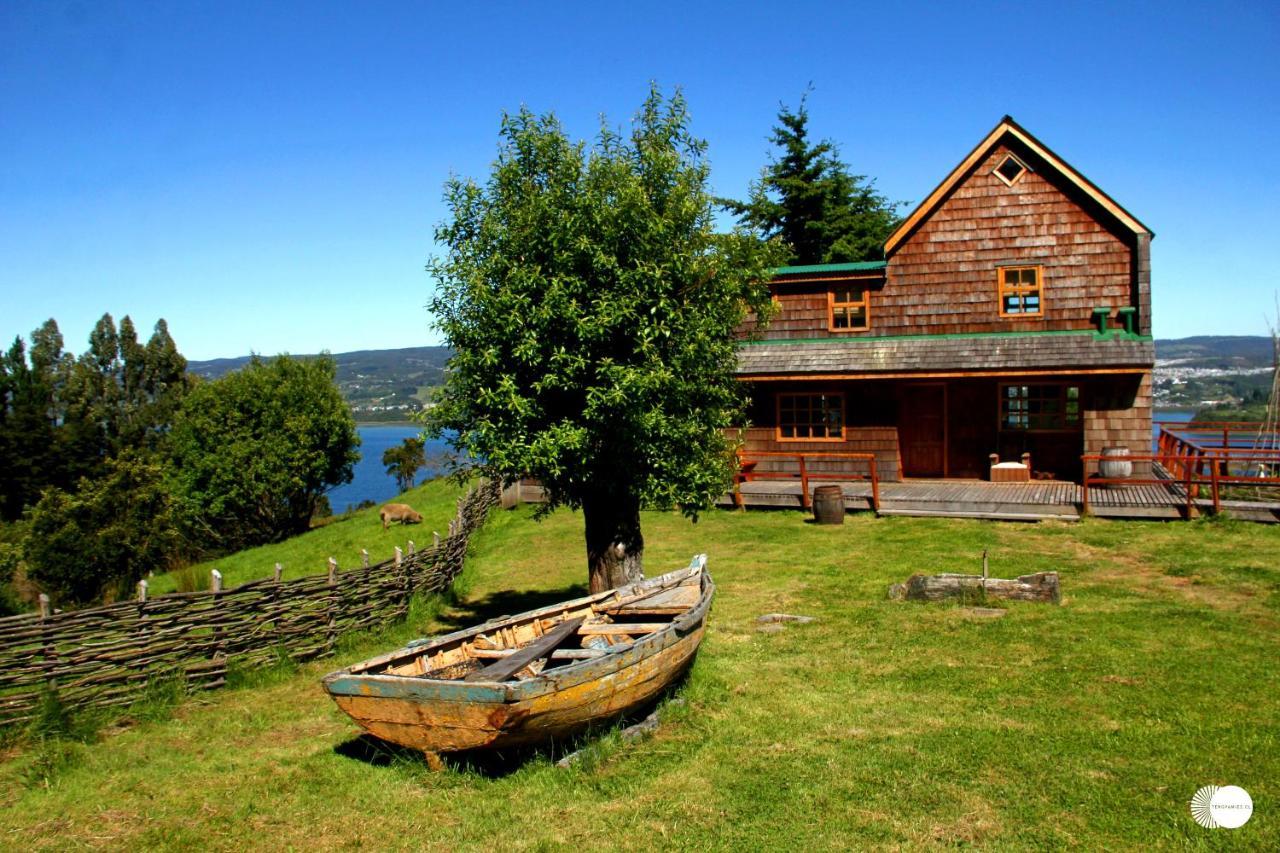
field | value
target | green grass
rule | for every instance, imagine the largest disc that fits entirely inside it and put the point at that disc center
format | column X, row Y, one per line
column 341, row 538
column 881, row 724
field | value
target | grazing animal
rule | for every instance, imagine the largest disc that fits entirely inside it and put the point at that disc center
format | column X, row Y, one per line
column 402, row 513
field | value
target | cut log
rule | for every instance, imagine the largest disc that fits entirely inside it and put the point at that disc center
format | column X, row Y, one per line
column 1042, row 586
column 538, row 649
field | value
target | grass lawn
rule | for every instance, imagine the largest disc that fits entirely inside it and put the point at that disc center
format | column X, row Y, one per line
column 341, row 538
column 881, row 724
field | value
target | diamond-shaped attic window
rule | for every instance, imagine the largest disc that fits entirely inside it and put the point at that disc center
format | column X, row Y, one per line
column 1010, row 170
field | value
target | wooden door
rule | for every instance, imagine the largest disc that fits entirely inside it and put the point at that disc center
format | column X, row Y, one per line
column 922, row 430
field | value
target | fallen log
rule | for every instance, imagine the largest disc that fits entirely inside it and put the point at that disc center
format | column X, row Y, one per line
column 1042, row 586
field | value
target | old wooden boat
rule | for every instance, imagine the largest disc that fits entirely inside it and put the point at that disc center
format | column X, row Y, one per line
column 534, row 677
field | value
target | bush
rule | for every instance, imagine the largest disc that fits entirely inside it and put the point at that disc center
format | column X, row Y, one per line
column 106, row 536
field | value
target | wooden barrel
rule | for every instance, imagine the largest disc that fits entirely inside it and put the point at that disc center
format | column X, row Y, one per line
column 1116, row 465
column 828, row 505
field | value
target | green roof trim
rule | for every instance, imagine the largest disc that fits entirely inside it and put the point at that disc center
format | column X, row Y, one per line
column 859, row 266
column 1112, row 335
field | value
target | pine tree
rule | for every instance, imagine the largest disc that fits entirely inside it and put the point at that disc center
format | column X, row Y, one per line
column 808, row 197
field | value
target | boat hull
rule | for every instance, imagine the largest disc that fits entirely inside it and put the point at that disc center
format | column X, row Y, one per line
column 454, row 724
column 451, row 715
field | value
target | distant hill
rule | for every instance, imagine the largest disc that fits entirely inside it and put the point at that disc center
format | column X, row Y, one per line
column 379, row 385
column 1213, row 370
column 1192, row 372
column 1222, row 351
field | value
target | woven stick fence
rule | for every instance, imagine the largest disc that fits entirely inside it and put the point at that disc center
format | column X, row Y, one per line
column 106, row 656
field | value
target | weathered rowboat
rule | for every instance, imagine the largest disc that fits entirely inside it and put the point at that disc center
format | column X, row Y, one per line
column 534, row 677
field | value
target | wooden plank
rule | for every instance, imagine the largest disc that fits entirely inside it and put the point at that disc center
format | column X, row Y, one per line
column 538, row 649
column 622, row 628
column 558, row 654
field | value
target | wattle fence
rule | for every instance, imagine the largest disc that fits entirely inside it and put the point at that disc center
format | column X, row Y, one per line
column 107, row 656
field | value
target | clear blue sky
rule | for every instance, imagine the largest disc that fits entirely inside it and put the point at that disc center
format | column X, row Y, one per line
column 267, row 176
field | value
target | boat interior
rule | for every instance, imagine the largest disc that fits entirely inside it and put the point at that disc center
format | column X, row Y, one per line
column 525, row 646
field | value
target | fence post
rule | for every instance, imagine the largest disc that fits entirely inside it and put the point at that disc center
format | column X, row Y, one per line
column 364, row 557
column 142, row 592
column 279, row 570
column 49, row 651
column 215, row 587
column 332, row 633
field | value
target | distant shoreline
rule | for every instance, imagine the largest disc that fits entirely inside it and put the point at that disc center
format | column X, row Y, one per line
column 387, row 423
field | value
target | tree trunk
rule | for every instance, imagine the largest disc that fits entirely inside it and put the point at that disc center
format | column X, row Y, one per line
column 615, row 547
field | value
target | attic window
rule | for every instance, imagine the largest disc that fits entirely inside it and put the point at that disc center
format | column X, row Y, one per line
column 1010, row 170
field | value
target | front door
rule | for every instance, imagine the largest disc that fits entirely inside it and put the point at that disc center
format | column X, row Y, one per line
column 922, row 430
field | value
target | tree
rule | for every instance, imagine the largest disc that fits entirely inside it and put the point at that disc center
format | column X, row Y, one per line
column 105, row 536
column 253, row 451
column 592, row 310
column 405, row 460
column 808, row 197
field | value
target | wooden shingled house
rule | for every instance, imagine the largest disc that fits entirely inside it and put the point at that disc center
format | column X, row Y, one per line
column 1012, row 316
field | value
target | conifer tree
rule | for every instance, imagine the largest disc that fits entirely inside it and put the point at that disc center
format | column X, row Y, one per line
column 807, row 196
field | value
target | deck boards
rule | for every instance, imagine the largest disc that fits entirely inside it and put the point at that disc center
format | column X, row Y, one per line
column 1035, row 500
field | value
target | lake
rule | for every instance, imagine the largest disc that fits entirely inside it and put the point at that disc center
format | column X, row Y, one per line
column 370, row 480
column 1181, row 416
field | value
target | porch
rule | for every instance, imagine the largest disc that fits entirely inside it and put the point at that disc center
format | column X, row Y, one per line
column 1032, row 501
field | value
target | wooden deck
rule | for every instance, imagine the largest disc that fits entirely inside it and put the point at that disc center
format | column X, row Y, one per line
column 1034, row 501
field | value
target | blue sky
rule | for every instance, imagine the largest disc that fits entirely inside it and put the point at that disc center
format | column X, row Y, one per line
column 267, row 176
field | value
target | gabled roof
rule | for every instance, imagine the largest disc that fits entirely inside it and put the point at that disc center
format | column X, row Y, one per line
column 1010, row 128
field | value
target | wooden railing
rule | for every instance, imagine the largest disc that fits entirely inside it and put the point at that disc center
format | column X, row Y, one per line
column 1187, row 468
column 749, row 470
column 1198, row 465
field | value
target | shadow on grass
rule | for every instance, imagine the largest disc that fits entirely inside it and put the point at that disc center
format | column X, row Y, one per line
column 499, row 763
column 464, row 614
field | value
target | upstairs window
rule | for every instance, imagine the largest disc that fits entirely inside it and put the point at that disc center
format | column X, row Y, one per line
column 811, row 417
column 848, row 305
column 1040, row 408
column 1010, row 170
column 1020, row 292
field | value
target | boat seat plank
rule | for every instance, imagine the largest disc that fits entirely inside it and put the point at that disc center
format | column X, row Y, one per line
column 558, row 654
column 673, row 600
column 623, row 628
column 538, row 649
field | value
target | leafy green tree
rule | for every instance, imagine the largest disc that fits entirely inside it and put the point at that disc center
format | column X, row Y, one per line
column 405, row 460
column 592, row 309
column 253, row 451
column 808, row 197
column 105, row 536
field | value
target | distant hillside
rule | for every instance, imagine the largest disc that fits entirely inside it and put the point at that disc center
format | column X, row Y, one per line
column 1190, row 373
column 1213, row 370
column 378, row 384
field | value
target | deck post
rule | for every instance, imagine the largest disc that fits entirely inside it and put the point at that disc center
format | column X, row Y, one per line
column 804, row 483
column 875, row 486
column 1213, row 478
column 1084, row 486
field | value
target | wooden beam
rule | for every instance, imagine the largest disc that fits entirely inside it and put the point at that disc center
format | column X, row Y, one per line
column 623, row 628
column 538, row 649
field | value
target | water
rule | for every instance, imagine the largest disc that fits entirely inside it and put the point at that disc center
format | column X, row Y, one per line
column 1180, row 416
column 370, row 480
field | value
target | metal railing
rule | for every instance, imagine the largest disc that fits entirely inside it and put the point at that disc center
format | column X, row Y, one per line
column 749, row 471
